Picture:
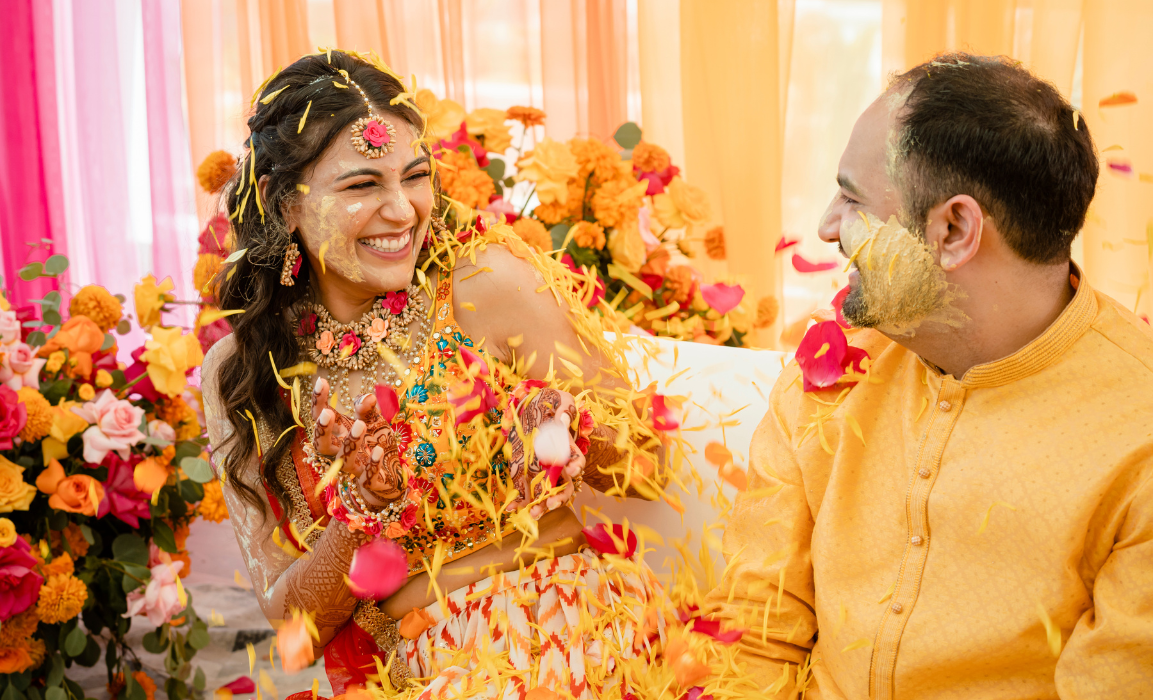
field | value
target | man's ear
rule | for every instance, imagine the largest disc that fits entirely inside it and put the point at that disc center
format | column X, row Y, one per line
column 288, row 212
column 954, row 230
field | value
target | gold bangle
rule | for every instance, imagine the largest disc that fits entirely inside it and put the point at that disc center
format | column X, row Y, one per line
column 383, row 630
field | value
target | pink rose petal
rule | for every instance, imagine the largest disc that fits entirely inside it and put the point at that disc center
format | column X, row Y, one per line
column 600, row 539
column 838, row 302
column 387, row 402
column 723, row 298
column 666, row 416
column 786, row 243
column 823, row 371
column 378, row 570
column 800, row 264
column 240, row 686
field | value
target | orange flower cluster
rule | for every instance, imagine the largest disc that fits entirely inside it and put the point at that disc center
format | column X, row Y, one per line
column 767, row 310
column 98, row 304
column 587, row 234
column 73, row 536
column 39, row 414
column 61, row 598
column 618, row 201
column 529, row 116
column 212, row 507
column 534, row 233
column 216, row 170
column 18, row 651
column 650, row 158
column 715, row 243
column 463, row 181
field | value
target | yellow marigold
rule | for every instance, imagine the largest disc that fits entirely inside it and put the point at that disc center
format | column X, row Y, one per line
column 550, row 166
column 488, row 124
column 7, row 535
column 61, row 565
column 464, row 182
column 212, row 507
column 86, row 392
column 691, row 201
column 61, row 598
column 681, row 281
column 442, row 117
column 715, row 243
column 18, row 628
column 587, row 234
column 595, row 158
column 534, row 233
column 205, row 273
column 215, row 170
column 617, row 202
column 767, row 310
column 73, row 536
column 529, row 116
column 39, row 414
column 98, row 304
column 650, row 158
column 55, row 362
column 189, row 429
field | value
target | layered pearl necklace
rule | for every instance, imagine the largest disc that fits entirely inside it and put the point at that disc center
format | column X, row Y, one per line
column 342, row 348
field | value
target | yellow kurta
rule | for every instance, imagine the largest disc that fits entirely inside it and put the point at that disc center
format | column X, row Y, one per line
column 927, row 560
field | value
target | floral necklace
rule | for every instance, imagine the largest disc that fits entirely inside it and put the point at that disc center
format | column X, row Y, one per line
column 341, row 348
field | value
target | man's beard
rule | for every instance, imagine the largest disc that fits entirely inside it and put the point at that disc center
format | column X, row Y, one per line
column 899, row 284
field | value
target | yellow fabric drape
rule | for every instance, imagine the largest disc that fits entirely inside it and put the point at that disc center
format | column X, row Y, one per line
column 733, row 126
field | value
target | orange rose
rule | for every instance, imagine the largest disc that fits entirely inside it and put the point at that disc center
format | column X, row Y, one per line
column 49, row 479
column 78, row 494
column 149, row 475
column 81, row 337
column 415, row 623
column 14, row 660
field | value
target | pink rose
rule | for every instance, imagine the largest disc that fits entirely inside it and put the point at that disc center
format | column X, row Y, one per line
column 115, row 426
column 396, row 302
column 160, row 599
column 162, row 431
column 307, row 324
column 122, row 498
column 21, row 367
column 9, row 327
column 378, row 330
column 13, row 416
column 376, row 134
column 587, row 423
column 19, row 582
column 349, row 344
column 325, row 342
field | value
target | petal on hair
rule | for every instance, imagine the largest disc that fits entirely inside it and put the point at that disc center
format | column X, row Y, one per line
column 800, row 264
column 378, row 570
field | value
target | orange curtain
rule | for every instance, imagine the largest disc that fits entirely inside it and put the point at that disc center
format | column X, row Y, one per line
column 361, row 26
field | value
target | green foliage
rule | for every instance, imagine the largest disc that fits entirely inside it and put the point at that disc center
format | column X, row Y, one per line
column 628, row 135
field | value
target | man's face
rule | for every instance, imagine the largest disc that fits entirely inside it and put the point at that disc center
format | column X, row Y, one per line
column 895, row 280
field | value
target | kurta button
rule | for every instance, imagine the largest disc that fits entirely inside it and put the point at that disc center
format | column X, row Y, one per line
column 916, row 540
column 924, row 473
column 944, row 406
column 897, row 608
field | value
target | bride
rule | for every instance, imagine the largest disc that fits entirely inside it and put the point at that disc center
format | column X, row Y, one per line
column 383, row 373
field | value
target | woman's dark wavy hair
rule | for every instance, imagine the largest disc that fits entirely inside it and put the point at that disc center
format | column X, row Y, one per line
column 279, row 149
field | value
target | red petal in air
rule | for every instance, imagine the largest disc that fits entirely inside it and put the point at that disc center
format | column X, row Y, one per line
column 802, row 265
column 603, row 542
column 824, row 371
column 1121, row 167
column 697, row 693
column 712, row 628
column 240, row 686
column 723, row 298
column 554, row 473
column 786, row 243
column 838, row 302
column 666, row 415
column 472, row 359
column 387, row 401
column 378, row 570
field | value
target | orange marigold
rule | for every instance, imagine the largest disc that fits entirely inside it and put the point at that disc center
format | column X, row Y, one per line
column 18, row 628
column 555, row 212
column 39, row 414
column 534, row 233
column 529, row 116
column 61, row 565
column 464, row 182
column 681, row 281
column 189, row 429
column 595, row 158
column 587, row 234
column 650, row 158
column 617, row 202
column 767, row 310
column 204, row 275
column 98, row 304
column 73, row 536
column 61, row 598
column 146, row 684
column 715, row 243
column 173, row 410
column 212, row 507
column 215, row 170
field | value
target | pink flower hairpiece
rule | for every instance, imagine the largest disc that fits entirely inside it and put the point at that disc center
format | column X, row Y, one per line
column 373, row 136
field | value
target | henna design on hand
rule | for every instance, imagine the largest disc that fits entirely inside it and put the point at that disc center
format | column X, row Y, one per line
column 316, row 583
column 383, row 478
column 601, row 457
column 543, row 407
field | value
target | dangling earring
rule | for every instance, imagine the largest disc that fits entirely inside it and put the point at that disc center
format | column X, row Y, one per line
column 291, row 266
column 438, row 224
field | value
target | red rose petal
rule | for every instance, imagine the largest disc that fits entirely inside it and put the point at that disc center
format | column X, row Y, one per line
column 838, row 302
column 240, row 686
column 600, row 539
column 723, row 298
column 712, row 628
column 824, row 371
column 802, row 265
column 666, row 415
column 786, row 243
column 387, row 401
column 378, row 570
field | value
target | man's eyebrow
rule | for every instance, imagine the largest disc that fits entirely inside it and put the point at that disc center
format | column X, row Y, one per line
column 847, row 184
column 358, row 172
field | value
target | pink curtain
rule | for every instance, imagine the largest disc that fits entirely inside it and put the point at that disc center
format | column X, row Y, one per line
column 29, row 152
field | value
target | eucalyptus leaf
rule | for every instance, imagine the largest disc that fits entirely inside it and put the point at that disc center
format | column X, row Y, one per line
column 56, row 692
column 90, row 655
column 198, row 638
column 132, row 689
column 53, row 298
column 163, row 536
column 36, row 339
column 87, row 533
column 135, row 574
column 188, row 448
column 55, row 674
column 628, row 135
column 124, row 327
column 191, row 491
column 31, row 271
column 197, row 469
column 109, row 341
column 154, row 643
column 75, row 642
column 12, row 694
column 55, row 265
column 558, row 233
column 130, row 548
column 495, row 169
column 199, row 680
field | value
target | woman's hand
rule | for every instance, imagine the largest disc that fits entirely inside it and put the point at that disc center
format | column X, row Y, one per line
column 547, row 405
column 368, row 447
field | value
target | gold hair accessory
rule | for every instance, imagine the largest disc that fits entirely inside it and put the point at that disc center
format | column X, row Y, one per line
column 371, row 135
column 291, row 267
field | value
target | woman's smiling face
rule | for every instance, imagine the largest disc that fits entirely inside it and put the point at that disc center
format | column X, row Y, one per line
column 366, row 217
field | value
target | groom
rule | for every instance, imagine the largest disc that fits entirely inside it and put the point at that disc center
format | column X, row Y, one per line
column 974, row 519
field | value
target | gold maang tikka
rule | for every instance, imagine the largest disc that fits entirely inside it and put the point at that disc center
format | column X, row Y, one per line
column 373, row 136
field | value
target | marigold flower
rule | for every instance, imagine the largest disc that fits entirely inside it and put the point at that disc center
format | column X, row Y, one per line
column 587, row 234
column 212, row 507
column 7, row 534
column 61, row 598
column 534, row 233
column 150, row 298
column 103, row 379
column 618, row 202
column 767, row 310
column 216, row 170
column 650, row 158
column 170, row 354
column 442, row 117
column 146, row 684
column 173, row 410
column 463, row 181
column 205, row 274
column 55, row 362
column 715, row 243
column 98, row 304
column 691, row 201
column 16, row 629
column 39, row 414
column 73, row 536
column 61, row 565
column 597, row 159
column 681, row 282
column 529, row 116
column 550, row 165
column 14, row 493
column 627, row 247
column 488, row 124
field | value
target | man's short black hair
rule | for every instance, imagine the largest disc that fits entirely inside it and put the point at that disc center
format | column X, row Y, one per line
column 986, row 127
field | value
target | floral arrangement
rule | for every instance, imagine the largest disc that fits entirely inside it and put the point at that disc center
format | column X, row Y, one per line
column 102, row 470
column 619, row 213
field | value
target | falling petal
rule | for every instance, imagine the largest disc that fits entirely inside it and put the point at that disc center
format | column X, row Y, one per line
column 824, row 371
column 1118, row 99
column 666, row 413
column 295, row 644
column 786, row 243
column 718, row 454
column 615, row 542
column 240, row 686
column 800, row 264
column 378, row 570
column 712, row 628
column 387, row 401
column 723, row 298
column 1121, row 167
column 838, row 302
